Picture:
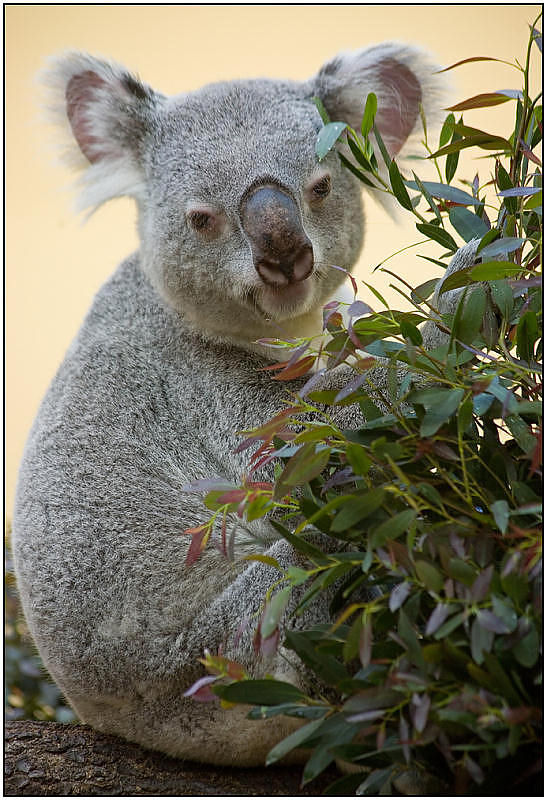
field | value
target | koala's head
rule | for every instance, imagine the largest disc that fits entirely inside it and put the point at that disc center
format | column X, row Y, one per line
column 239, row 222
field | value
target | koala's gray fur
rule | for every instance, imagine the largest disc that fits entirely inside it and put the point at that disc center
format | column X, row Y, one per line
column 165, row 371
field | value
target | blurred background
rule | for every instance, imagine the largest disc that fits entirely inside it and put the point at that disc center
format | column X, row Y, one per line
column 55, row 262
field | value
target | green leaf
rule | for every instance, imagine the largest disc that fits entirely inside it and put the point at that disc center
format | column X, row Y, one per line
column 398, row 186
column 410, row 331
column 500, row 511
column 359, row 155
column 450, row 625
column 467, row 224
column 452, row 158
column 305, row 465
column 504, row 182
column 437, row 234
column 327, row 138
column 356, row 508
column 481, row 641
column 318, row 761
column 516, row 587
column 429, row 576
column 489, row 271
column 527, row 650
column 274, row 611
column 503, row 608
column 298, row 542
column 527, row 334
column 324, row 664
column 369, row 113
column 521, row 431
column 445, row 192
column 392, row 528
column 467, row 326
column 408, row 635
column 502, row 296
column 381, row 146
column 295, row 739
column 501, row 247
column 289, row 709
column 322, row 110
column 461, row 571
column 358, row 459
column 263, row 692
column 358, row 174
column 482, row 140
column 488, row 237
column 441, row 411
column 375, row 781
column 427, row 195
column 447, row 130
column 424, row 290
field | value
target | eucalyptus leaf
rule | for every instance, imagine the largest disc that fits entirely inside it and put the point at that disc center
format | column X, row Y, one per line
column 467, row 224
column 356, row 508
column 295, row 739
column 437, row 234
column 445, row 192
column 327, row 138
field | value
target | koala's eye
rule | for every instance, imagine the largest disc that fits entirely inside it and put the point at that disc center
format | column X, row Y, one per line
column 201, row 220
column 206, row 221
column 321, row 188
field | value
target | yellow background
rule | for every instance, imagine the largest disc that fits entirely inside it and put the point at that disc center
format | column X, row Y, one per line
column 55, row 264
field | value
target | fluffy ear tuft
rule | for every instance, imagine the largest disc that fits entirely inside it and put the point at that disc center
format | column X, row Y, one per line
column 107, row 113
column 401, row 76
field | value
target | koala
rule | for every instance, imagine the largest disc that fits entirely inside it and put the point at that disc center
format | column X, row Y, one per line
column 239, row 225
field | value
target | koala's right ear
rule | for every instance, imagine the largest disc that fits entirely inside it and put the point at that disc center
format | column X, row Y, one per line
column 109, row 113
column 402, row 77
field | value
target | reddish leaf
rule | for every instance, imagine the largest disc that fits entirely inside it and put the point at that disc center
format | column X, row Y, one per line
column 349, row 275
column 467, row 61
column 517, row 716
column 269, row 645
column 199, row 535
column 528, row 153
column 233, row 496
column 201, row 690
column 261, row 485
column 295, row 370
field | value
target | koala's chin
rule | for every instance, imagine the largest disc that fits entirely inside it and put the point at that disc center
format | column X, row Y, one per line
column 287, row 301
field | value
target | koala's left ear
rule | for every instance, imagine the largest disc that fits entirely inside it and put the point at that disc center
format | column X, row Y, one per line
column 106, row 114
column 402, row 77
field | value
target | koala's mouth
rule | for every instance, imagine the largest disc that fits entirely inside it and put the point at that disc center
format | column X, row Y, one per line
column 286, row 301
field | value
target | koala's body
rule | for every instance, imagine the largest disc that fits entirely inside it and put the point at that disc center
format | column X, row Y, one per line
column 239, row 225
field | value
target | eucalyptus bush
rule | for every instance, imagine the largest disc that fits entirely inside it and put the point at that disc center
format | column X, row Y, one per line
column 436, row 500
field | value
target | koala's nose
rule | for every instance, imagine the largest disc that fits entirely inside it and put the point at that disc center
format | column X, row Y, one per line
column 282, row 252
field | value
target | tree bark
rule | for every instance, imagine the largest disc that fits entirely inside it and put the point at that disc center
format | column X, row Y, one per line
column 49, row 758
